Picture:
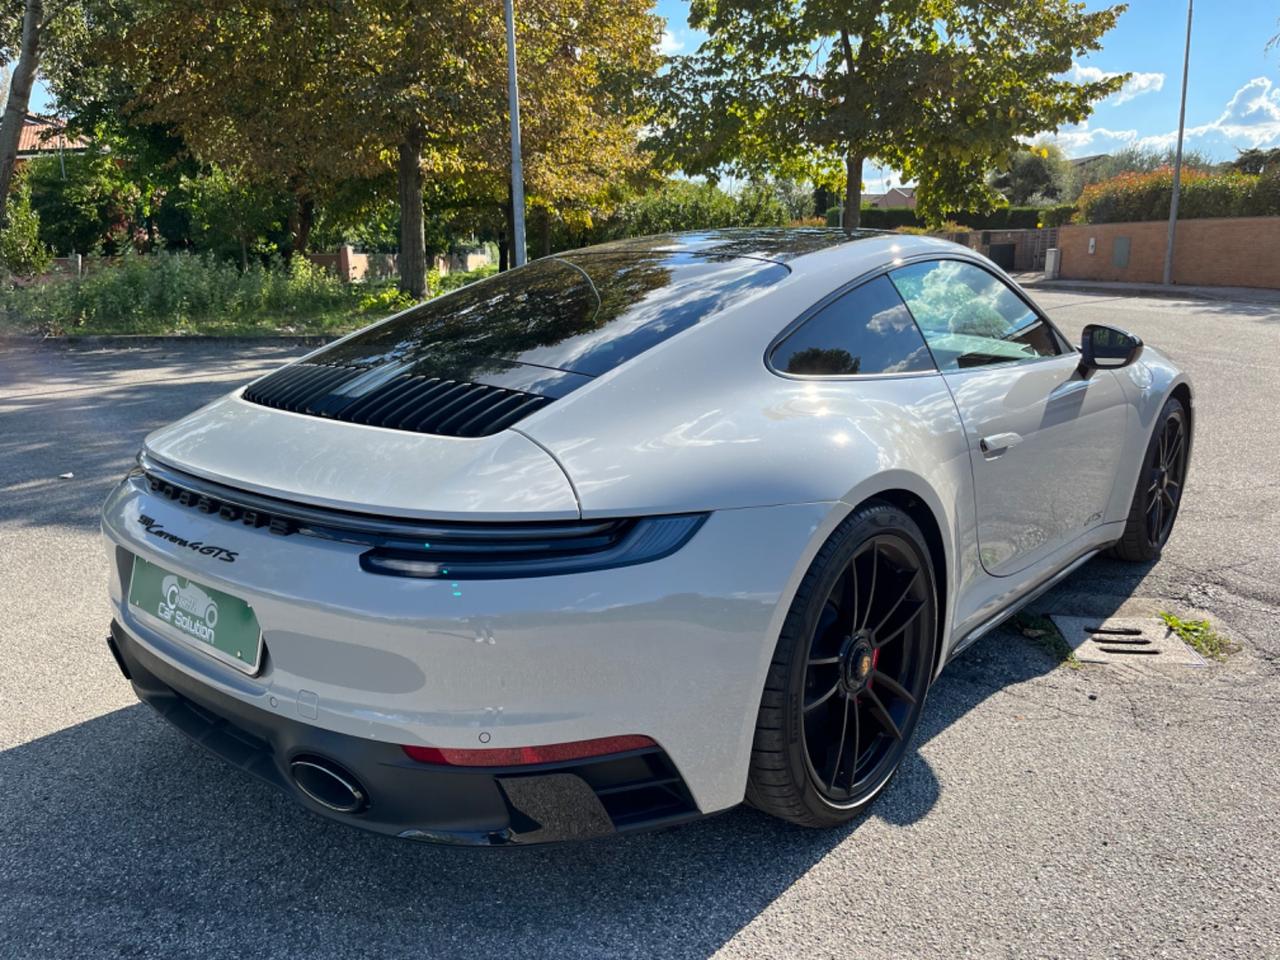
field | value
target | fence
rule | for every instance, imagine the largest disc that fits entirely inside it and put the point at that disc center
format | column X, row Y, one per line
column 1017, row 251
column 352, row 266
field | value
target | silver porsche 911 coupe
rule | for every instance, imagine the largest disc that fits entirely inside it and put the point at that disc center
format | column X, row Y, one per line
column 631, row 534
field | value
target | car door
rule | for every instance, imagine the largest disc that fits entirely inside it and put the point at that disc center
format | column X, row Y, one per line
column 1044, row 441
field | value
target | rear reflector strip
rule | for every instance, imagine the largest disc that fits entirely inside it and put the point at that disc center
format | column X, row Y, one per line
column 523, row 756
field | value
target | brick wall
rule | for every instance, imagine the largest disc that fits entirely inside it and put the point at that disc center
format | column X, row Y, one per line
column 1236, row 252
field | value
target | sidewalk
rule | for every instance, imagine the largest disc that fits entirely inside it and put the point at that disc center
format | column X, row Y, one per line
column 1036, row 281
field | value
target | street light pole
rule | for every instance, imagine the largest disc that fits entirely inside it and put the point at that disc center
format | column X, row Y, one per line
column 1177, row 158
column 517, row 174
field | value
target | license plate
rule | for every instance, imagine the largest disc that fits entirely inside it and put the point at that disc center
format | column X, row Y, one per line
column 217, row 623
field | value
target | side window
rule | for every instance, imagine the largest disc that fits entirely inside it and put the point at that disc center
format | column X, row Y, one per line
column 867, row 330
column 970, row 317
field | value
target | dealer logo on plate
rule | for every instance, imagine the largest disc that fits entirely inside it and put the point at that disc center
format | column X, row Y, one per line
column 188, row 608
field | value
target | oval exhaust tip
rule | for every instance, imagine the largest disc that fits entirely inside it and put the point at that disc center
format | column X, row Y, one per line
column 328, row 784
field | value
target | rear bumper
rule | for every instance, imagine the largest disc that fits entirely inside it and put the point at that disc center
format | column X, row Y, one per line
column 675, row 649
column 470, row 806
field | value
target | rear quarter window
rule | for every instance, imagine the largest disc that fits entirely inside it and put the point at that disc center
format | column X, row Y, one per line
column 867, row 330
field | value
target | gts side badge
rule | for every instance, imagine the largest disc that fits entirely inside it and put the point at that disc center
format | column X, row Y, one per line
column 154, row 529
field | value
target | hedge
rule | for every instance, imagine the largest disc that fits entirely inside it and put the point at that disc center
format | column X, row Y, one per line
column 1146, row 196
column 1002, row 218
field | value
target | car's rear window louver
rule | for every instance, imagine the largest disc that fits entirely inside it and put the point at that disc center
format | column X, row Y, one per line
column 405, row 401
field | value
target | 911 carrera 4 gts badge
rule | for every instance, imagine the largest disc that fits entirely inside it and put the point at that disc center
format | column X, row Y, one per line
column 154, row 529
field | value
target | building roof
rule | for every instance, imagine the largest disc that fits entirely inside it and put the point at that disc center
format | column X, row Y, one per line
column 45, row 135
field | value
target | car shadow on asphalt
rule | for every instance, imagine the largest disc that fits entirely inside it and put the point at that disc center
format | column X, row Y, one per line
column 118, row 837
column 118, row 829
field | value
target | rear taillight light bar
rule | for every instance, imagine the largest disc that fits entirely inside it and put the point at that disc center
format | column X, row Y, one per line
column 525, row 756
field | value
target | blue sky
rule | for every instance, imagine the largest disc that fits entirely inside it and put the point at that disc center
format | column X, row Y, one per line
column 1233, row 94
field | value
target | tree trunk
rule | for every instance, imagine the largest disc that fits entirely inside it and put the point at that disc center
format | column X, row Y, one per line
column 301, row 219
column 413, row 238
column 15, row 110
column 853, row 191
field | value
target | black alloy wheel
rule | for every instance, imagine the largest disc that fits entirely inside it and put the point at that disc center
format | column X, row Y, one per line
column 850, row 676
column 867, row 669
column 1160, row 487
column 1165, row 477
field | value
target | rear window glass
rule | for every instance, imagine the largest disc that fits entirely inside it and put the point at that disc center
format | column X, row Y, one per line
column 586, row 313
column 867, row 330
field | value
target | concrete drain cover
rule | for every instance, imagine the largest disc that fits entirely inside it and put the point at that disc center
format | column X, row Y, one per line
column 1130, row 640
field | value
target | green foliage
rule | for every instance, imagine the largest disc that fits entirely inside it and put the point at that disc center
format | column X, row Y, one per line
column 231, row 216
column 1001, row 218
column 1058, row 215
column 796, row 198
column 460, row 278
column 85, row 201
column 942, row 91
column 1146, row 196
column 1034, row 176
column 182, row 293
column 1256, row 160
column 389, row 299
column 1199, row 635
column 360, row 217
column 686, row 205
column 21, row 250
column 1131, row 160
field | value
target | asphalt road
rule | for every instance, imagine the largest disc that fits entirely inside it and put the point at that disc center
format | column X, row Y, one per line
column 1042, row 812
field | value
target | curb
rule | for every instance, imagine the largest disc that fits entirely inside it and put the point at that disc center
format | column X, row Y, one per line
column 130, row 341
column 1234, row 294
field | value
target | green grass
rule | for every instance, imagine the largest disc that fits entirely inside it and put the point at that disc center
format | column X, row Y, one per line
column 1045, row 634
column 1199, row 635
column 184, row 294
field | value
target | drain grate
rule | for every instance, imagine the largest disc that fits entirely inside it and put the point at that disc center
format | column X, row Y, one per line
column 1125, row 640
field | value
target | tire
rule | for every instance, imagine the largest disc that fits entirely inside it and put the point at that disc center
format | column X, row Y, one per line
column 862, row 599
column 1154, row 507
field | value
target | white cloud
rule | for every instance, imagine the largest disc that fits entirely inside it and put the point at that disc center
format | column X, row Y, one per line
column 1082, row 140
column 1251, row 118
column 1135, row 86
column 669, row 45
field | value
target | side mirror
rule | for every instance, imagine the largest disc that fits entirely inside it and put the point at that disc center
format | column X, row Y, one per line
column 1106, row 348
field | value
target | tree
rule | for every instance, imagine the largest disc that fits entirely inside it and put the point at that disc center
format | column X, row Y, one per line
column 1039, row 173
column 1257, row 160
column 308, row 94
column 15, row 108
column 941, row 90
column 1132, row 160
column 229, row 213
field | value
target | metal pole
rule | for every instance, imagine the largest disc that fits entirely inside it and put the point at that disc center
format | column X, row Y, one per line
column 1177, row 158
column 517, row 174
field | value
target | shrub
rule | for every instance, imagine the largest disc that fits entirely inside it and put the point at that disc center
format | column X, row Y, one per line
column 896, row 218
column 460, row 278
column 178, row 291
column 1146, row 196
column 1057, row 216
column 685, row 205
column 21, row 251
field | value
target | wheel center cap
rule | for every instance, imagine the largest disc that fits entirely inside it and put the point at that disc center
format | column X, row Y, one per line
column 859, row 661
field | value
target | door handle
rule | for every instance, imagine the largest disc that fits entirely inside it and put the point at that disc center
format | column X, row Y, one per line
column 998, row 443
